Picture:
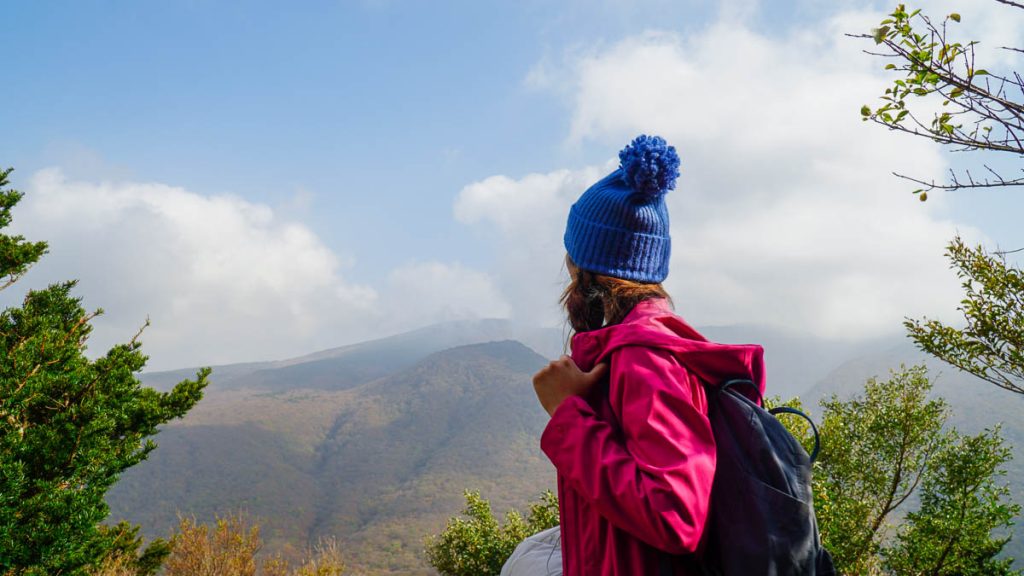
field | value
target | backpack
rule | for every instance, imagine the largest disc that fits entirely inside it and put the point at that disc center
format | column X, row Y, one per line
column 761, row 517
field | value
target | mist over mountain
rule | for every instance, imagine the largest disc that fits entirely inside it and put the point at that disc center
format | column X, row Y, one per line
column 355, row 364
column 796, row 362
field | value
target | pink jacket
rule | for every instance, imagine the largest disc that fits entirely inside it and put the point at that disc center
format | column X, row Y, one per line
column 636, row 458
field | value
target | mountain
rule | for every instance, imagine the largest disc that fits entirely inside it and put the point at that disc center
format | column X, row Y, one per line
column 374, row 442
column 379, row 465
column 795, row 361
column 466, row 417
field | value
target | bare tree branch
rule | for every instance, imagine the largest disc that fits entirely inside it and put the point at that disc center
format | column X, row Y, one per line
column 981, row 110
column 957, row 184
column 1011, row 3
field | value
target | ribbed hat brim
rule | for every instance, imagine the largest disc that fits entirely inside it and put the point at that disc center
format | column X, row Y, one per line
column 616, row 252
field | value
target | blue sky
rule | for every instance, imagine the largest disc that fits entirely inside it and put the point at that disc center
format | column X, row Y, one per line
column 380, row 111
column 361, row 147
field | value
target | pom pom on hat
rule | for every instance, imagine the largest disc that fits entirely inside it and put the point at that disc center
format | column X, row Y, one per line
column 619, row 226
column 649, row 165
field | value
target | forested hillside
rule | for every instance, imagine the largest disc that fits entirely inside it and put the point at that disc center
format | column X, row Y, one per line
column 380, row 464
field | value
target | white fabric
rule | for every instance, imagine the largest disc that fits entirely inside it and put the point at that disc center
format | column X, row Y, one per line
column 538, row 555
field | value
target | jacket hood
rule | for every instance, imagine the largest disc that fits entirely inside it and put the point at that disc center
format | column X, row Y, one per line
column 652, row 323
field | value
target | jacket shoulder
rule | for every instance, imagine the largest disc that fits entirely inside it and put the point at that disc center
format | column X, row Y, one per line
column 653, row 371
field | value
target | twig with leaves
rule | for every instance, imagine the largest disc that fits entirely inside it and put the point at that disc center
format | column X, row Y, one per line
column 980, row 110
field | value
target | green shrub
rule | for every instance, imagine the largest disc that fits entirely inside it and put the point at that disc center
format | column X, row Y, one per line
column 477, row 545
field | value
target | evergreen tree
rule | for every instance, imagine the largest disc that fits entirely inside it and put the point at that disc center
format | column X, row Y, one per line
column 69, row 425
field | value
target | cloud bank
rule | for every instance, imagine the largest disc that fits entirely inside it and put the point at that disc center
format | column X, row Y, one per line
column 222, row 279
column 786, row 212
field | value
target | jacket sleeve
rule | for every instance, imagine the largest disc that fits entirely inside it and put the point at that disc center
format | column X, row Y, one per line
column 651, row 477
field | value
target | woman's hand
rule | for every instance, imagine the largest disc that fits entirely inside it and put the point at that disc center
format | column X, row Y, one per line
column 561, row 379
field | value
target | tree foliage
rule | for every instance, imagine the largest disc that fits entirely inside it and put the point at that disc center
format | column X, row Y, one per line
column 991, row 345
column 477, row 545
column 978, row 109
column 16, row 254
column 889, row 447
column 69, row 425
column 230, row 548
column 122, row 549
column 874, row 450
column 961, row 503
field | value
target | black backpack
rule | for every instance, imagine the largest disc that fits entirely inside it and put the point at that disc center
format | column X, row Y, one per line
column 761, row 518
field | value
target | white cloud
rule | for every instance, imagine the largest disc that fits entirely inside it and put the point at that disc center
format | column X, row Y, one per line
column 529, row 214
column 423, row 293
column 786, row 212
column 221, row 278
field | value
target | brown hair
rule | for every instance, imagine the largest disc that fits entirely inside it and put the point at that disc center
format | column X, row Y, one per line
column 593, row 300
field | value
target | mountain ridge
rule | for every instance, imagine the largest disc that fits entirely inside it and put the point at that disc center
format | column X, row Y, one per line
column 375, row 442
column 391, row 454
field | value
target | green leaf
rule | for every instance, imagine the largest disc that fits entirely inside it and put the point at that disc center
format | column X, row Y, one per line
column 865, row 110
column 954, row 17
column 879, row 34
column 890, row 66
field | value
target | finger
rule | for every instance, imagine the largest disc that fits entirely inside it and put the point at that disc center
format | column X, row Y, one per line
column 597, row 372
column 541, row 374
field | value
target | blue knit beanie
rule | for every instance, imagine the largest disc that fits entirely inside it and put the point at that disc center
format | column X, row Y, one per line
column 619, row 226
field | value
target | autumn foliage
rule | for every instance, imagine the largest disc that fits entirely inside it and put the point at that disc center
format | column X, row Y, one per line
column 231, row 546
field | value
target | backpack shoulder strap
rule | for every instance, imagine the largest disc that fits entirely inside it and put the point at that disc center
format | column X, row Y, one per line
column 759, row 399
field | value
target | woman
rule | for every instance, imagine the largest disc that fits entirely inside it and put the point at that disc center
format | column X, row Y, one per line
column 629, row 433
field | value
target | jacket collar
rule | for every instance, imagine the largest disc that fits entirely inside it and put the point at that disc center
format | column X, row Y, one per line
column 649, row 315
column 652, row 324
